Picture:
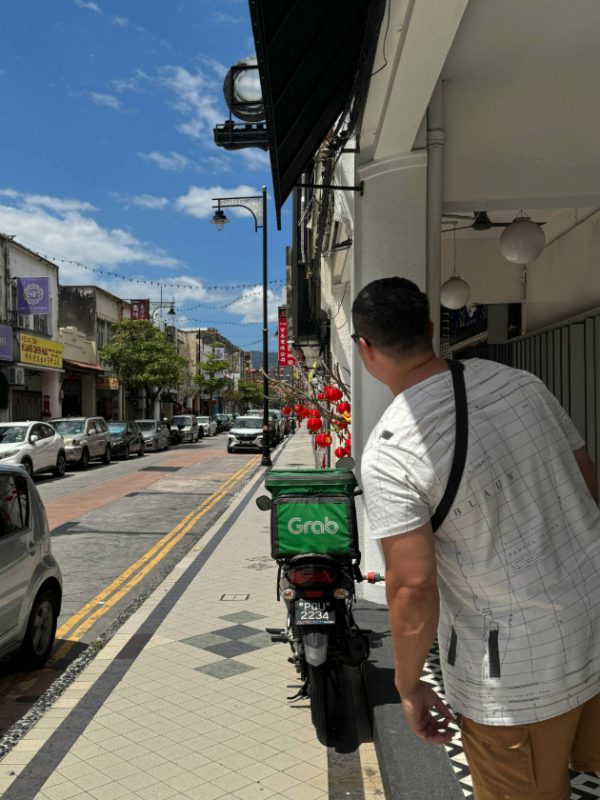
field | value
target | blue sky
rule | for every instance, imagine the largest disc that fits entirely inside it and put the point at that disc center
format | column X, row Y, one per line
column 107, row 155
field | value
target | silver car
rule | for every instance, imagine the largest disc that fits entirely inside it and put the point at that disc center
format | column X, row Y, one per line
column 86, row 439
column 209, row 424
column 246, row 433
column 187, row 425
column 156, row 434
column 30, row 578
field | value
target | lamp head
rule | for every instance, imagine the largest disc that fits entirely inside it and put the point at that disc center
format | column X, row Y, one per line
column 219, row 220
column 171, row 312
column 522, row 241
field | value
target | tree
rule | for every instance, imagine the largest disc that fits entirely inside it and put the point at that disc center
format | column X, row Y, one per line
column 210, row 378
column 251, row 394
column 142, row 358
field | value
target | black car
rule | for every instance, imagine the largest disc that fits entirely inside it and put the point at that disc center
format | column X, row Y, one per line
column 125, row 438
column 223, row 422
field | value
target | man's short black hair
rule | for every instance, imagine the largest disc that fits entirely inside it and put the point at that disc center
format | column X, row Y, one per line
column 393, row 315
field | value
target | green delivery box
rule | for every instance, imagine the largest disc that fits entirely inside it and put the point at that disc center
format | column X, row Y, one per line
column 313, row 512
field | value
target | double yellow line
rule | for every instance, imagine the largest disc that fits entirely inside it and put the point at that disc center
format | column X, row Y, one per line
column 79, row 623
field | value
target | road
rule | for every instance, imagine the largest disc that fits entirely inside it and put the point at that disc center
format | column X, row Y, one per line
column 116, row 531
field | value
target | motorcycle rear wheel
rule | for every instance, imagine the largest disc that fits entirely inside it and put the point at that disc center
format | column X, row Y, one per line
column 318, row 690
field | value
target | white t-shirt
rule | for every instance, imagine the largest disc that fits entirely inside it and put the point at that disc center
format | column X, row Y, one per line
column 518, row 555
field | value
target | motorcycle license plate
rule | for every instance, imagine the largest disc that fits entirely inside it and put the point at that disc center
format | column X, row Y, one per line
column 310, row 613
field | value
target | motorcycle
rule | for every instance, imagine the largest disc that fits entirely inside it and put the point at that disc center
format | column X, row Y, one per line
column 318, row 588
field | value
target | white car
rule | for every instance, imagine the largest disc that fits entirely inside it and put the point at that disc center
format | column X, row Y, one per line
column 30, row 579
column 34, row 445
column 247, row 432
column 209, row 424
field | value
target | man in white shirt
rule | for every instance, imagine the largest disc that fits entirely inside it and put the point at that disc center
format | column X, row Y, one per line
column 510, row 580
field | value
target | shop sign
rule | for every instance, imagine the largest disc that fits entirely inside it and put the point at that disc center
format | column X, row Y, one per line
column 109, row 382
column 33, row 295
column 140, row 309
column 6, row 343
column 285, row 359
column 41, row 352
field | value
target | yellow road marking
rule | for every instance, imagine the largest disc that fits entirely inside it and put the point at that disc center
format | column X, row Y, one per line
column 118, row 588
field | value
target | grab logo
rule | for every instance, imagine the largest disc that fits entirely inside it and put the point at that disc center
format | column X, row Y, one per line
column 296, row 526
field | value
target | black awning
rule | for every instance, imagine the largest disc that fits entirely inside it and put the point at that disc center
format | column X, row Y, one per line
column 308, row 54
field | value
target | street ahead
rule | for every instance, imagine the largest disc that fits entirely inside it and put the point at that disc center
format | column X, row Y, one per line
column 116, row 531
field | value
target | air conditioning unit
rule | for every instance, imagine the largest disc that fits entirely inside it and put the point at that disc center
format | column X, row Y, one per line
column 16, row 376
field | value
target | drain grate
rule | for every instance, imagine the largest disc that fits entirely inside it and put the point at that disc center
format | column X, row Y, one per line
column 235, row 597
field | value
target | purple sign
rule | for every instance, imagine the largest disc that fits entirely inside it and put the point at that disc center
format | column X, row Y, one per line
column 6, row 343
column 33, row 295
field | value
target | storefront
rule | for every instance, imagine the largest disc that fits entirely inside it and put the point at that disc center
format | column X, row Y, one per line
column 107, row 397
column 35, row 379
column 79, row 395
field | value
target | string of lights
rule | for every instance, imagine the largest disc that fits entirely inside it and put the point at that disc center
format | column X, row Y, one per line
column 145, row 282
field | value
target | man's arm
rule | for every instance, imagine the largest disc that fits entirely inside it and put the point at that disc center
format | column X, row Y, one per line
column 588, row 470
column 413, row 602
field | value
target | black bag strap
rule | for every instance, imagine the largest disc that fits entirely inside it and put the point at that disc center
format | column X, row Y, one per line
column 460, row 444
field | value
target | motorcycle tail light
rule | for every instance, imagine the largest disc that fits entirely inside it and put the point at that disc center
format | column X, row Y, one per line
column 302, row 576
column 341, row 594
column 312, row 593
column 289, row 594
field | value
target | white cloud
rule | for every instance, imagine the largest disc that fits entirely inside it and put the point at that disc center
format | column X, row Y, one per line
column 195, row 98
column 255, row 158
column 249, row 306
column 107, row 100
column 89, row 6
column 60, row 228
column 170, row 161
column 219, row 18
column 121, row 22
column 198, row 202
column 142, row 200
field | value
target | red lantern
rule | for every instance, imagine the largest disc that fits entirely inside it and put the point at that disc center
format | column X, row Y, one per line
column 348, row 448
column 332, row 393
column 297, row 407
column 343, row 407
column 323, row 440
column 314, row 412
column 314, row 424
column 341, row 424
column 303, row 413
column 321, row 396
column 340, row 452
column 286, row 411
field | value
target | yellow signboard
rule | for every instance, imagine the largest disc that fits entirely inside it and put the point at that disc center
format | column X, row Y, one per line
column 107, row 382
column 41, row 352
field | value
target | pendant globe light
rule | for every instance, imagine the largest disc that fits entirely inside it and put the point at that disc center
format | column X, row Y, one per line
column 522, row 241
column 455, row 292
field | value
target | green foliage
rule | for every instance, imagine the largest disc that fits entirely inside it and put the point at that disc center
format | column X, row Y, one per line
column 208, row 380
column 251, row 393
column 141, row 357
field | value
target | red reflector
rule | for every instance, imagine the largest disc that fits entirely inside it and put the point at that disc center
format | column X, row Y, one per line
column 306, row 575
column 313, row 593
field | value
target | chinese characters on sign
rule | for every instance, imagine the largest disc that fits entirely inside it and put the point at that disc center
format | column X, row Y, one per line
column 285, row 359
column 41, row 352
column 33, row 295
column 140, row 309
column 107, row 382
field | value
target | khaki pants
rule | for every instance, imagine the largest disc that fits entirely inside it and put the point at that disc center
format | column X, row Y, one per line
column 531, row 762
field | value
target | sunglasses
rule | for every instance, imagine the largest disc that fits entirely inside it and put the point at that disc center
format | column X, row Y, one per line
column 356, row 336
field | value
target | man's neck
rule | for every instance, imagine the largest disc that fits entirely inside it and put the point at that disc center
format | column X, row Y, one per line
column 416, row 369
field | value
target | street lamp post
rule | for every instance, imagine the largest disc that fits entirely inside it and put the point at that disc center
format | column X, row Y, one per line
column 257, row 206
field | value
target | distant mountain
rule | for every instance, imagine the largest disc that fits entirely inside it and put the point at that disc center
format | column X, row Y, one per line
column 257, row 359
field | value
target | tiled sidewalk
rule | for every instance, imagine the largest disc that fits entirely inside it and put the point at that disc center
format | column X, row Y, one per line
column 188, row 700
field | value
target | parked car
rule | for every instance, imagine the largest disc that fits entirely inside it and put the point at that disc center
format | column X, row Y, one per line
column 279, row 420
column 247, row 432
column 275, row 430
column 209, row 425
column 86, row 439
column 223, row 422
column 30, row 578
column 34, row 445
column 156, row 434
column 187, row 427
column 126, row 438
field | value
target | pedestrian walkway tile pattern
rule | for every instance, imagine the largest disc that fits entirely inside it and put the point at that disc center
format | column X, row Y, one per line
column 229, row 642
column 584, row 786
